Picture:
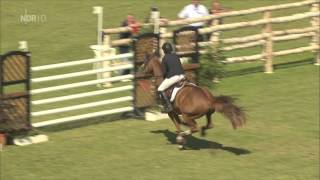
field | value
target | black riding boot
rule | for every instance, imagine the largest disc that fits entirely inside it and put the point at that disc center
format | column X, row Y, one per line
column 167, row 107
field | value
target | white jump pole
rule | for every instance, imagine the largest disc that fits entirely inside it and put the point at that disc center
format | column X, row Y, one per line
column 98, row 10
column 23, row 46
column 155, row 17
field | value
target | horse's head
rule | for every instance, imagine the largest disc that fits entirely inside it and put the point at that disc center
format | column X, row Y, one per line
column 151, row 63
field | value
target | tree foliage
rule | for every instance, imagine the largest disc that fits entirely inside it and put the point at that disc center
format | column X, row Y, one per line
column 211, row 67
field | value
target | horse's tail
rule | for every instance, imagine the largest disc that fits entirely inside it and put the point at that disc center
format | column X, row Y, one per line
column 225, row 105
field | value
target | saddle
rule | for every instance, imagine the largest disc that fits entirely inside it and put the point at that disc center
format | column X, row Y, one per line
column 173, row 90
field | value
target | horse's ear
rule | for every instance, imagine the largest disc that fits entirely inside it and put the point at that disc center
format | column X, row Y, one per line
column 157, row 54
column 146, row 59
column 146, row 56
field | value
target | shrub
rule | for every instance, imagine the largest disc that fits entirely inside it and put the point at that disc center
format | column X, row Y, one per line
column 211, row 67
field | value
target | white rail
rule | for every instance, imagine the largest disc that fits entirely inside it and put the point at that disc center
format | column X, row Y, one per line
column 81, row 62
column 221, row 15
column 82, row 95
column 81, row 73
column 244, row 45
column 295, row 51
column 283, row 19
column 236, row 13
column 278, row 53
column 292, row 36
column 81, row 106
column 244, row 58
column 80, row 84
column 81, row 117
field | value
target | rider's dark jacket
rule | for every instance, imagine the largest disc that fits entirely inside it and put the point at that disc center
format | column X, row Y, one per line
column 171, row 65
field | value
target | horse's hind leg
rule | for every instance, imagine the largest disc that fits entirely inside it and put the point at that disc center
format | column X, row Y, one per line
column 209, row 120
column 209, row 124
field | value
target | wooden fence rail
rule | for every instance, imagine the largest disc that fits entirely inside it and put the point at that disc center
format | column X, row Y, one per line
column 212, row 17
column 266, row 38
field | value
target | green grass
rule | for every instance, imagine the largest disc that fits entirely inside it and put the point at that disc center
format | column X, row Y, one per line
column 280, row 141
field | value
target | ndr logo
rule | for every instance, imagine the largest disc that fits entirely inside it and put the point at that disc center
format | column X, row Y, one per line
column 32, row 18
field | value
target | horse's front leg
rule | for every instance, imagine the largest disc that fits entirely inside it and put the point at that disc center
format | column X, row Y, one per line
column 179, row 120
column 193, row 128
column 191, row 123
column 175, row 121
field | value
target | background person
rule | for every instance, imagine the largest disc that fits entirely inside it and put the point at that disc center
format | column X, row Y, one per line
column 216, row 9
column 193, row 10
column 125, row 48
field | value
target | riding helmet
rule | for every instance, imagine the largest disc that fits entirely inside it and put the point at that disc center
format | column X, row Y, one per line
column 167, row 48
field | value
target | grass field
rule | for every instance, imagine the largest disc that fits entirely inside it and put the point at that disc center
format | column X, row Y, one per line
column 280, row 140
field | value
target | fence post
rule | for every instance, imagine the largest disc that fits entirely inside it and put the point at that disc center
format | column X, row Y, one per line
column 315, row 22
column 23, row 46
column 101, row 51
column 99, row 11
column 163, row 30
column 108, row 50
column 268, row 46
column 155, row 20
column 103, row 48
column 215, row 36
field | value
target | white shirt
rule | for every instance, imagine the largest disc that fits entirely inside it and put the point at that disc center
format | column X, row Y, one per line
column 191, row 11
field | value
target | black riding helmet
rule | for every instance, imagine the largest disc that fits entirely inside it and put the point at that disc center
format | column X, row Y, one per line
column 167, row 48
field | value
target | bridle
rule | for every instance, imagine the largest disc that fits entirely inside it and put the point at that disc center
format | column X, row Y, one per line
column 147, row 59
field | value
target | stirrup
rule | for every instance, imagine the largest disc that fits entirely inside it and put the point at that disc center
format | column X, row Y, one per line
column 166, row 110
column 167, row 106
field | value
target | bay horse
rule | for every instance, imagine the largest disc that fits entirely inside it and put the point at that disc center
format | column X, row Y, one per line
column 193, row 102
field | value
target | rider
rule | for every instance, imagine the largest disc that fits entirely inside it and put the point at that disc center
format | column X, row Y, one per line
column 172, row 72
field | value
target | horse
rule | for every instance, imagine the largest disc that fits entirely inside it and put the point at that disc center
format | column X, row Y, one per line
column 193, row 102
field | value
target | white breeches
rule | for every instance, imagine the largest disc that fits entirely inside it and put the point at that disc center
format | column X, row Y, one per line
column 168, row 82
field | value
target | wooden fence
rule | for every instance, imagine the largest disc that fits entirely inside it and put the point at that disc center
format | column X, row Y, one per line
column 266, row 38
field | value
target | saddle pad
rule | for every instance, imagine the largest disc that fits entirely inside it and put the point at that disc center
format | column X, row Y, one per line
column 177, row 89
column 174, row 93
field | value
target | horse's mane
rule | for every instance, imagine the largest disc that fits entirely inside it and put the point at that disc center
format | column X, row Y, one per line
column 153, row 57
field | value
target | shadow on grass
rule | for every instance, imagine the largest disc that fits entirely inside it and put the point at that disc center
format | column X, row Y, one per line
column 194, row 143
column 260, row 68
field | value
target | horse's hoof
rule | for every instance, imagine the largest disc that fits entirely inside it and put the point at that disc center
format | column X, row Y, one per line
column 203, row 132
column 181, row 147
column 180, row 140
column 186, row 133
